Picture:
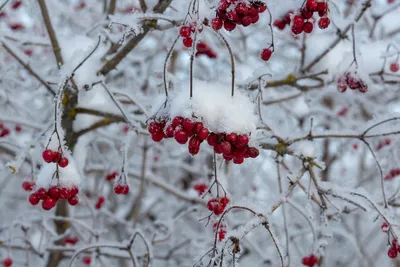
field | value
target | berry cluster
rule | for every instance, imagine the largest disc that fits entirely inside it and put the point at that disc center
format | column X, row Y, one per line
column 394, row 249
column 111, row 176
column 7, row 262
column 121, row 188
column 4, row 131
column 28, row 185
column 186, row 32
column 232, row 146
column 221, row 230
column 392, row 174
column 283, row 21
column 56, row 157
column 200, row 188
column 204, row 49
column 70, row 240
column 301, row 23
column 217, row 205
column 100, row 201
column 52, row 195
column 394, row 67
column 352, row 82
column 234, row 12
column 310, row 261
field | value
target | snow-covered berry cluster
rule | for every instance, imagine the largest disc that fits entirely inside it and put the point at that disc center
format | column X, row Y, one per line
column 301, row 21
column 50, row 156
column 186, row 32
column 121, row 188
column 221, row 230
column 218, row 205
column 204, row 49
column 354, row 83
column 310, row 260
column 234, row 12
column 200, row 188
column 394, row 249
column 392, row 174
column 51, row 195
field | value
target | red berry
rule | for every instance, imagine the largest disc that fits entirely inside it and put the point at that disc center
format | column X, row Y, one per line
column 16, row 26
column 64, row 193
column 4, row 132
column 313, row 259
column 246, row 21
column 63, row 162
column 224, row 201
column 157, row 137
column 221, row 235
column 177, row 121
column 223, row 5
column 194, row 150
column 111, row 176
column 74, row 191
column 322, row 6
column 242, row 140
column 41, row 193
column 33, row 199
column 298, row 21
column 184, row 31
column 217, row 23
column 54, row 192
column 242, row 9
column 28, row 185
column 253, row 152
column 253, row 12
column 71, row 240
column 154, row 127
column 232, row 138
column 18, row 128
column 238, row 160
column 311, row 5
column 226, row 148
column 16, row 4
column 56, row 156
column 306, row 261
column 261, row 7
column 188, row 125
column 86, row 260
column 118, row 189
column 188, row 42
column 73, row 200
column 297, row 30
column 229, row 25
column 394, row 67
column 181, row 137
column 392, row 252
column 305, row 13
column 266, row 54
column 323, row 23
column 202, row 134
column 48, row 155
column 7, row 262
column 201, row 188
column 49, row 203
column 308, row 27
column 279, row 24
column 255, row 19
column 212, row 139
column 233, row 16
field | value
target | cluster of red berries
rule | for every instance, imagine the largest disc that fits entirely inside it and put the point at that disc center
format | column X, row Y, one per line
column 394, row 67
column 186, row 32
column 121, row 188
column 221, row 230
column 52, row 195
column 301, row 21
column 28, row 185
column 392, row 174
column 352, row 82
column 234, row 12
column 200, row 188
column 394, row 249
column 100, row 201
column 4, row 131
column 310, row 261
column 232, row 146
column 56, row 157
column 111, row 176
column 204, row 49
column 283, row 21
column 383, row 143
column 218, row 205
column 70, row 240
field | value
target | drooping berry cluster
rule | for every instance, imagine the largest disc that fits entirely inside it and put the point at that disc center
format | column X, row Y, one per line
column 56, row 157
column 394, row 249
column 301, row 21
column 200, row 188
column 310, row 261
column 221, row 230
column 394, row 67
column 232, row 146
column 121, row 188
column 352, row 82
column 100, row 201
column 283, row 21
column 234, row 12
column 7, row 262
column 182, row 129
column 53, row 194
column 218, row 205
column 392, row 174
column 186, row 33
column 204, row 49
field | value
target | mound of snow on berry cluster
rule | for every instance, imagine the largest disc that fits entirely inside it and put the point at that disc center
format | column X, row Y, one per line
column 213, row 104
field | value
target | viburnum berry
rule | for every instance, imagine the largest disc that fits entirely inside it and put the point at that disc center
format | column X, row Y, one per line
column 188, row 125
column 111, row 176
column 203, row 133
column 33, row 199
column 229, row 25
column 308, row 27
column 49, row 203
column 221, row 235
column 392, row 252
column 323, row 23
column 279, row 24
column 7, row 262
column 64, row 193
column 200, row 188
column 253, row 152
column 246, row 21
column 394, row 67
column 184, row 31
column 297, row 30
column 74, row 191
column 125, row 190
column 73, row 200
column 188, row 42
column 306, row 14
column 48, row 155
column 217, row 23
column 298, row 21
column 70, row 240
column 226, row 147
column 177, row 121
column 28, row 185
column 157, row 137
column 41, row 193
column 118, row 189
column 212, row 139
column 63, row 162
column 181, row 136
column 54, row 192
column 100, row 202
column 312, row 5
column 4, row 132
column 18, row 128
column 266, row 54
column 86, row 260
column 310, row 261
column 16, row 4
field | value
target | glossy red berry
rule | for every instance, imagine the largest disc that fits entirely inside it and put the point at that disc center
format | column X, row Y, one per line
column 154, row 127
column 86, row 260
column 242, row 140
column 48, row 155
column 188, row 42
column 177, row 121
column 64, row 193
column 28, row 185
column 54, row 192
column 224, row 201
column 242, row 9
column 394, row 67
column 56, row 156
column 266, row 54
column 221, row 235
column 157, row 137
column 261, row 7
column 200, row 188
column 212, row 139
column 118, row 189
column 74, row 191
column 49, row 203
column 279, row 24
column 246, row 21
column 311, row 5
column 306, row 14
column 125, row 189
column 253, row 152
column 185, row 31
column 298, row 21
column 308, row 27
column 188, row 125
column 392, row 252
column 297, row 30
column 41, row 193
column 7, row 262
column 63, row 162
column 33, row 199
column 323, row 23
column 226, row 148
column 73, row 200
column 181, row 137
column 322, row 6
column 238, row 160
column 203, row 133
column 229, row 25
column 111, row 176
column 217, row 23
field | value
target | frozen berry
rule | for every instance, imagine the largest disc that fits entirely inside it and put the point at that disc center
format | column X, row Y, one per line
column 298, row 21
column 41, row 193
column 229, row 25
column 33, row 199
column 266, row 54
column 305, row 13
column 188, row 125
column 217, row 23
column 63, row 162
column 323, row 23
column 181, row 137
column 212, row 139
column 297, row 30
column 253, row 152
column 184, row 31
column 48, row 155
column 188, row 42
column 308, row 27
column 226, row 147
column 73, row 200
column 311, row 5
column 246, row 21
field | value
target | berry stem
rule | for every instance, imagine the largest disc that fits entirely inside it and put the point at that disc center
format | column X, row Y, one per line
column 232, row 60
column 166, row 64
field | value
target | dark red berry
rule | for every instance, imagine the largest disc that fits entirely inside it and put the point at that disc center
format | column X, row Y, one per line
column 118, row 189
column 28, row 185
column 253, row 152
column 229, row 25
column 18, row 128
column 185, row 31
column 212, row 139
column 64, row 193
column 203, row 133
column 246, row 21
column 322, row 6
column 242, row 140
column 125, row 189
column 217, row 23
column 154, row 127
column 297, row 30
column 7, row 262
column 266, row 54
column 279, row 24
column 49, row 203
column 226, row 147
column 201, row 188
column 238, row 160
column 63, row 162
column 394, row 67
column 311, row 5
column 392, row 252
column 41, row 193
column 308, row 27
column 298, row 21
column 73, row 200
column 54, row 192
column 157, row 137
column 188, row 42
column 48, row 155
column 74, row 191
column 33, row 199
column 255, row 19
column 181, row 137
column 86, row 260
column 177, row 121
column 242, row 9
column 188, row 125
column 261, row 7
column 323, row 23
column 194, row 142
column 169, row 131
column 232, row 138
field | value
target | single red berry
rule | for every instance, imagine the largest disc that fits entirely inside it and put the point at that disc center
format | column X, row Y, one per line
column 118, row 189
column 73, row 200
column 221, row 235
column 41, row 193
column 16, row 26
column 188, row 42
column 223, row 5
column 242, row 140
column 188, row 125
column 242, row 9
column 311, row 5
column 203, row 133
column 194, row 142
column 86, row 260
column 157, row 137
column 49, row 203
column 266, row 54
column 261, row 7
column 233, row 16
column 63, row 162
column 323, row 23
column 246, row 21
column 298, row 21
column 322, row 6
column 7, row 262
column 18, row 128
column 56, row 157
column 306, row 261
column 54, row 192
column 306, row 14
column 28, row 185
column 212, row 139
column 226, row 147
column 74, row 191
column 217, row 23
column 229, row 25
column 279, row 24
column 253, row 12
column 185, row 31
column 232, row 138
column 224, row 201
column 392, row 252
column 313, row 259
column 308, row 27
column 181, row 136
column 227, row 157
column 297, row 30
column 154, row 127
column 48, row 155
column 238, row 160
column 33, row 199
column 177, row 121
column 71, row 240
column 253, row 152
column 254, row 19
column 111, row 176
column 64, row 193
column 394, row 67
